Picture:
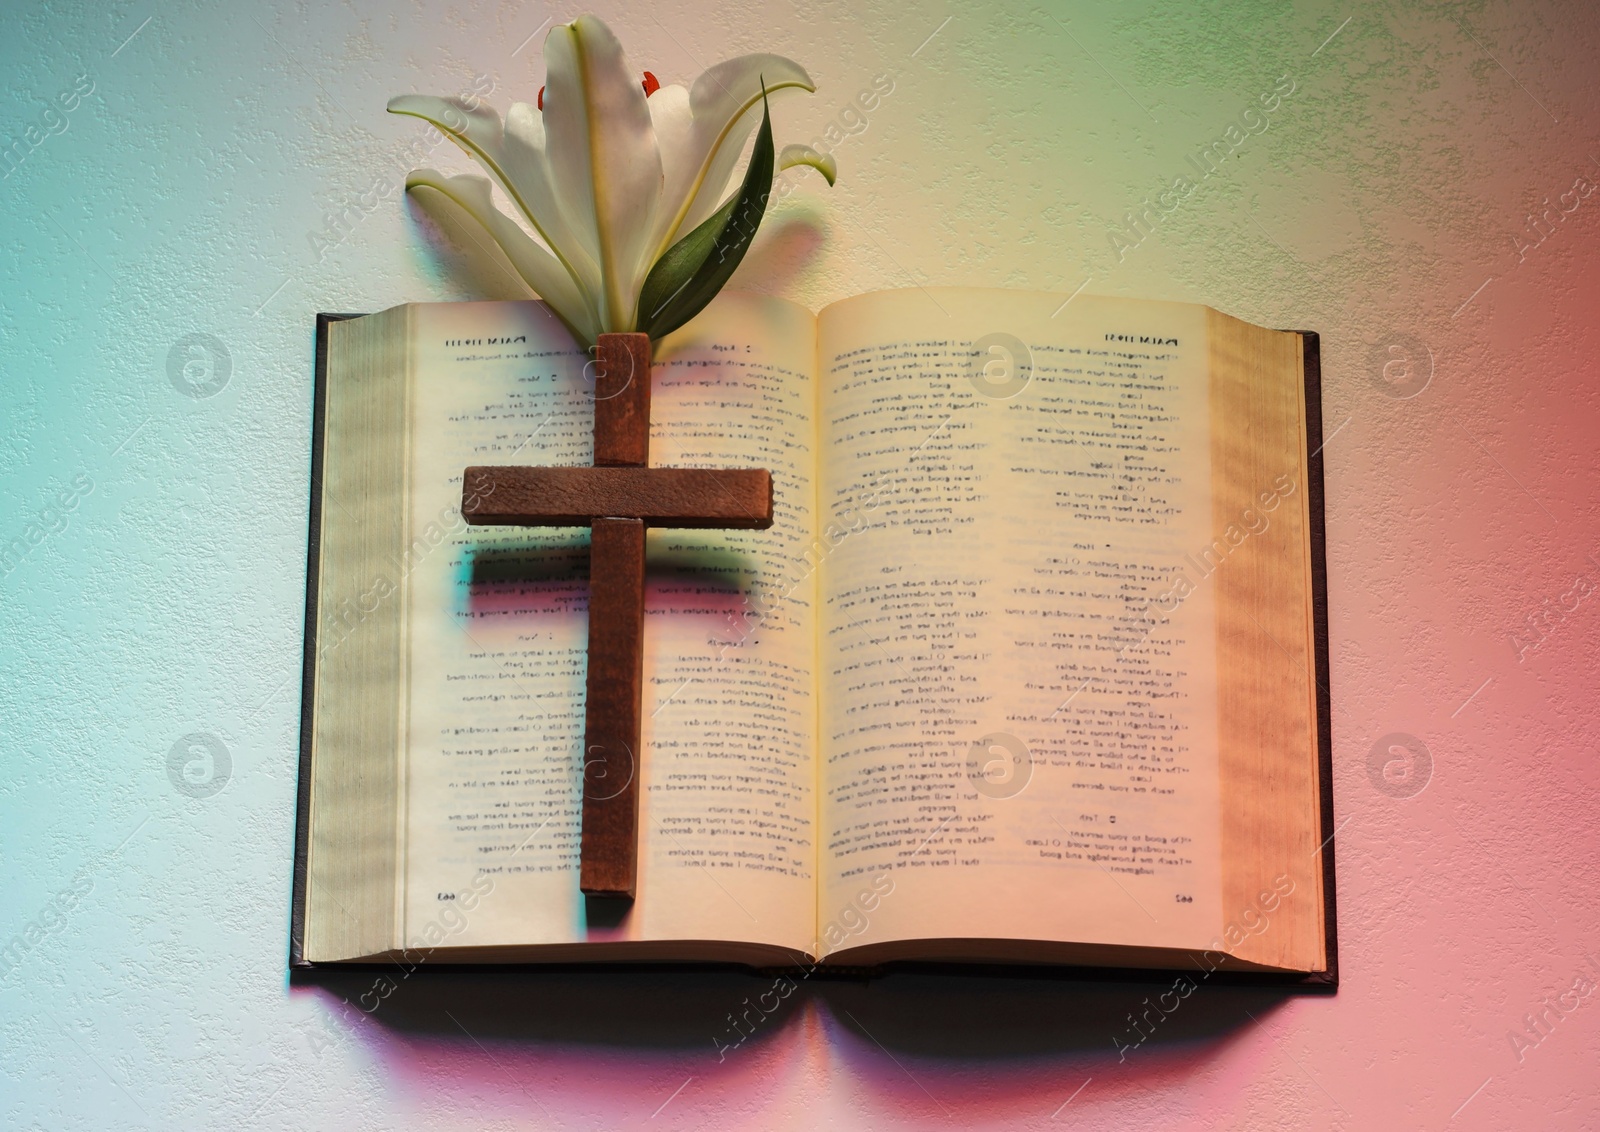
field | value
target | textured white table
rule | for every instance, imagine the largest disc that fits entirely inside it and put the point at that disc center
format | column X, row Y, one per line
column 232, row 172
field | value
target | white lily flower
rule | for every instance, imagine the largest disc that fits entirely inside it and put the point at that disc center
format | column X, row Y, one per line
column 609, row 176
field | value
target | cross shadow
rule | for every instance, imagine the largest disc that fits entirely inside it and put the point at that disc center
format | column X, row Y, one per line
column 535, row 577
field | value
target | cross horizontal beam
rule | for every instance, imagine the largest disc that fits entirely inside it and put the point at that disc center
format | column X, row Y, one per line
column 574, row 497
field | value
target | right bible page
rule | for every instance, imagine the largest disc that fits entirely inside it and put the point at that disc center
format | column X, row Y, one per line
column 1018, row 694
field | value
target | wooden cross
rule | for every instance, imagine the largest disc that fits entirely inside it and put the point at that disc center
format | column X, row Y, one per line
column 616, row 499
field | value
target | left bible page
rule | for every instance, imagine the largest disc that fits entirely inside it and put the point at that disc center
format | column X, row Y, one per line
column 497, row 627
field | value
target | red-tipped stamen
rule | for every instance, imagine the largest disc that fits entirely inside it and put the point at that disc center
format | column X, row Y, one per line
column 651, row 84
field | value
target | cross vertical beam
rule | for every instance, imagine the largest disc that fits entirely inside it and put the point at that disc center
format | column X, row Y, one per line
column 608, row 853
column 622, row 401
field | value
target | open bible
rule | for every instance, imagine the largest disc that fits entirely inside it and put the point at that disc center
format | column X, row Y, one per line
column 1030, row 668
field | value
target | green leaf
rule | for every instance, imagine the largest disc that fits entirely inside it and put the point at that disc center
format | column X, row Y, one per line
column 694, row 269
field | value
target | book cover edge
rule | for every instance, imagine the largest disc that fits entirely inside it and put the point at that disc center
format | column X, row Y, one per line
column 1316, row 507
column 308, row 670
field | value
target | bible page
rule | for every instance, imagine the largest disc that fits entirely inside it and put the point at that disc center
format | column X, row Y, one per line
column 1018, row 714
column 498, row 631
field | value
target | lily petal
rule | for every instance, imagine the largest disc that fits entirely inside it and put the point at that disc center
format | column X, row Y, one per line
column 514, row 157
column 673, row 119
column 538, row 268
column 797, row 154
column 527, row 165
column 719, row 103
column 604, row 160
column 475, row 129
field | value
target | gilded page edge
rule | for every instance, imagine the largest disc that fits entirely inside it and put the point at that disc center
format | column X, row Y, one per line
column 1267, row 708
column 346, row 801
